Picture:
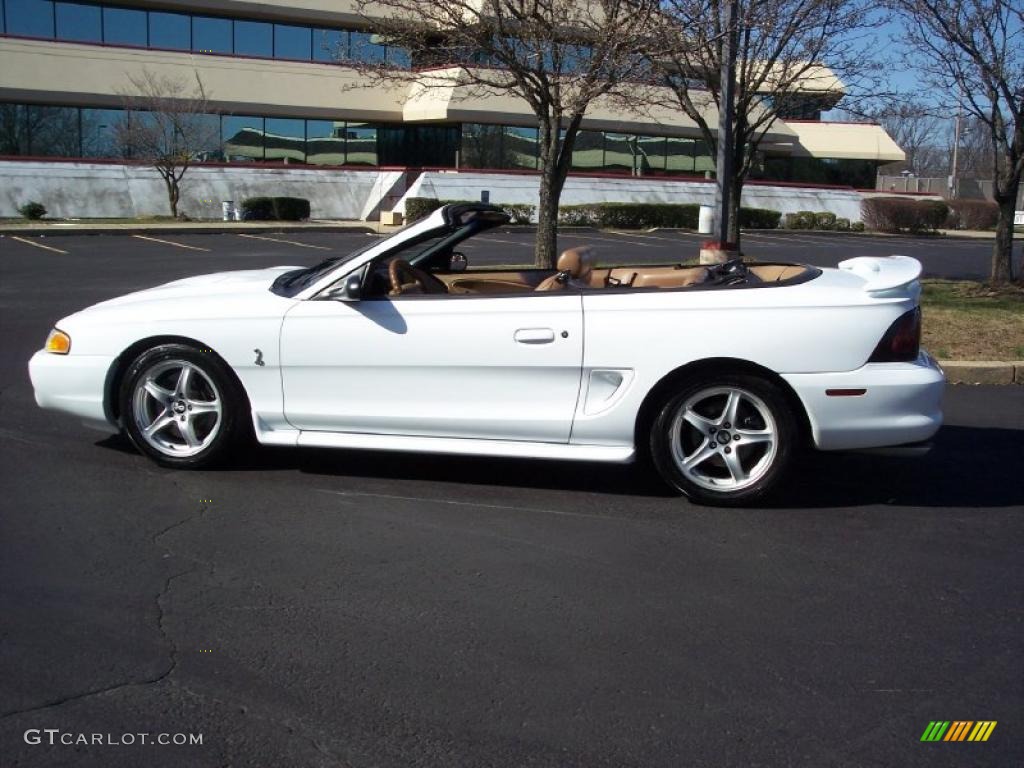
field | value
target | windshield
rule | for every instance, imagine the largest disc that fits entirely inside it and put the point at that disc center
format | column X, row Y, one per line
column 291, row 283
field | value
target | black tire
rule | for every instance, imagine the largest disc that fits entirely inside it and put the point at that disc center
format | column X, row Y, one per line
column 740, row 450
column 209, row 435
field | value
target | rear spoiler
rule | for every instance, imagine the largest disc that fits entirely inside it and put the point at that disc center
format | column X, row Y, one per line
column 883, row 273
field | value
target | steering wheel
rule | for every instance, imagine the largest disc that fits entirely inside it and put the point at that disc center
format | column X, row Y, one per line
column 401, row 273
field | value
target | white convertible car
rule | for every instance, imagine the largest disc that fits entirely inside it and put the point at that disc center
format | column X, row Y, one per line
column 719, row 375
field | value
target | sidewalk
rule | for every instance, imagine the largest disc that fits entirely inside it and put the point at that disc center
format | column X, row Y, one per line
column 87, row 227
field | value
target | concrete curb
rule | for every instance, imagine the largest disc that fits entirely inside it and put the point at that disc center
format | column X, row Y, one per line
column 983, row 371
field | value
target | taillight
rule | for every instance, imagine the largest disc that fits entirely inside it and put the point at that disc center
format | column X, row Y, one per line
column 902, row 342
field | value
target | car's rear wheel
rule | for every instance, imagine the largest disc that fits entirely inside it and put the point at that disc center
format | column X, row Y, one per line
column 181, row 406
column 724, row 439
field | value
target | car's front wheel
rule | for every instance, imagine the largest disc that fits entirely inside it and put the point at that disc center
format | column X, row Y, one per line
column 724, row 439
column 180, row 406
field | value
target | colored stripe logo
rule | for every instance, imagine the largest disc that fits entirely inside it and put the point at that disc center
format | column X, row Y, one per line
column 958, row 730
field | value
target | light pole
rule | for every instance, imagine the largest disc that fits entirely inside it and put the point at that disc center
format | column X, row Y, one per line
column 726, row 111
column 956, row 149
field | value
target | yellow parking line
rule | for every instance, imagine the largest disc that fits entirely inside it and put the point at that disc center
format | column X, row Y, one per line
column 38, row 245
column 289, row 242
column 168, row 242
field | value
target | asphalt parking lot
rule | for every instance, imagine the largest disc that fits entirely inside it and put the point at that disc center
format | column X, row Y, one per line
column 315, row 608
column 947, row 257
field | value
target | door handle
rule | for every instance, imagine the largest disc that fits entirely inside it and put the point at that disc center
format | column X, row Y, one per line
column 534, row 335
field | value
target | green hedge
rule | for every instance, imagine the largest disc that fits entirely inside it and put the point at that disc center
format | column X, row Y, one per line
column 800, row 220
column 759, row 218
column 418, row 207
column 32, row 210
column 275, row 208
column 824, row 220
column 631, row 215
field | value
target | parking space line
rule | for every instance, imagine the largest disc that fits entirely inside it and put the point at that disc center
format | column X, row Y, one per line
column 585, row 238
column 655, row 237
column 496, row 240
column 169, row 242
column 289, row 242
column 38, row 245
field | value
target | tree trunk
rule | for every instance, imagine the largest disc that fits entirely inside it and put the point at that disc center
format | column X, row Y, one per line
column 1002, row 250
column 555, row 159
column 173, row 193
column 547, row 221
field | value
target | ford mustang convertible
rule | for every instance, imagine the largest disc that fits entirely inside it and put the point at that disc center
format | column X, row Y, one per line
column 718, row 375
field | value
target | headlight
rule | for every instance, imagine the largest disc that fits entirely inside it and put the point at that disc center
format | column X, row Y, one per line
column 58, row 342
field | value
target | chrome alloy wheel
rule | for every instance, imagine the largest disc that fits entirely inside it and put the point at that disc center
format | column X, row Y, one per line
column 177, row 408
column 723, row 438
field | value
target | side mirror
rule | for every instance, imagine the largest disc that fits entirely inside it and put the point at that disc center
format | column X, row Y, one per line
column 352, row 290
column 353, row 287
column 458, row 262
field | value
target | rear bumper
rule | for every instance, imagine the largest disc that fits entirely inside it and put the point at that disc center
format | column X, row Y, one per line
column 73, row 384
column 901, row 403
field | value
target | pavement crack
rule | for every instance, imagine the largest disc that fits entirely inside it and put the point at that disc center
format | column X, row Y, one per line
column 161, row 616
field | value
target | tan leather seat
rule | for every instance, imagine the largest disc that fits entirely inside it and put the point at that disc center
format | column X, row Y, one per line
column 574, row 265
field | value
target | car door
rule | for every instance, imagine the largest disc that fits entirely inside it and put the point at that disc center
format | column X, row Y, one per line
column 502, row 368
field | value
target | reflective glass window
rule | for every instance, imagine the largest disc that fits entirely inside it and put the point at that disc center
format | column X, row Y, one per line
column 124, row 26
column 330, row 45
column 703, row 159
column 292, row 42
column 204, row 138
column 169, row 30
column 3, row 23
column 519, row 148
column 53, row 131
column 361, row 144
column 254, row 38
column 32, row 18
column 482, row 146
column 99, row 132
column 650, row 152
column 325, row 142
column 13, row 129
column 588, row 151
column 284, row 140
column 78, row 22
column 679, row 156
column 243, row 138
column 399, row 57
column 364, row 47
column 211, row 35
column 620, row 153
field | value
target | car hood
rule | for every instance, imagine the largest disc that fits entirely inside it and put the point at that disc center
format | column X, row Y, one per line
column 234, row 283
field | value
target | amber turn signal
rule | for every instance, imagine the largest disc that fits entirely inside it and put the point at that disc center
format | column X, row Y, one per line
column 58, row 342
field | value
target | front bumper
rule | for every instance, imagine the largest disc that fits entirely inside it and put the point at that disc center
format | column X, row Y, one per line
column 73, row 384
column 902, row 403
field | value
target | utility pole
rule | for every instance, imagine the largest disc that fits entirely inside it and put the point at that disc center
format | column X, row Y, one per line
column 956, row 149
column 726, row 110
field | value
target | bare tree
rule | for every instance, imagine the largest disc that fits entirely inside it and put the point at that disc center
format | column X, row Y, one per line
column 560, row 57
column 974, row 152
column 975, row 48
column 168, row 124
column 922, row 134
column 781, row 47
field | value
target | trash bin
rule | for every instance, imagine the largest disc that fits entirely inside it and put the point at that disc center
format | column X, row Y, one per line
column 706, row 220
column 228, row 210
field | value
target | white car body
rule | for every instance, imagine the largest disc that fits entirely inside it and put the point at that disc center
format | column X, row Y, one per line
column 556, row 375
